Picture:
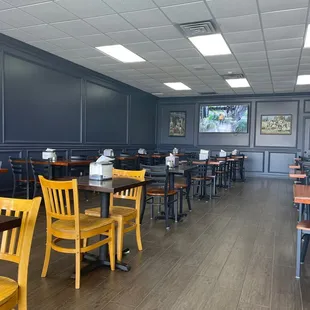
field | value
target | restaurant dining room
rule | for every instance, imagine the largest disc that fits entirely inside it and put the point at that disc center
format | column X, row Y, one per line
column 154, row 154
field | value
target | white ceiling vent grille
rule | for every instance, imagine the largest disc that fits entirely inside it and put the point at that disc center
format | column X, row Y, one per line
column 198, row 28
column 233, row 76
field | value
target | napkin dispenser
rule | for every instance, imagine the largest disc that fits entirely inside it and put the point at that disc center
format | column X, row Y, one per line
column 223, row 153
column 142, row 151
column 204, row 155
column 235, row 152
column 108, row 152
column 49, row 154
column 101, row 170
column 172, row 161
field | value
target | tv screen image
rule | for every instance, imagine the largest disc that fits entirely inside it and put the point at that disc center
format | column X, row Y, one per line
column 223, row 118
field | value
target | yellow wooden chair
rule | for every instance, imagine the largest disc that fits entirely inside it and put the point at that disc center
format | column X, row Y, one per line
column 127, row 218
column 15, row 247
column 64, row 222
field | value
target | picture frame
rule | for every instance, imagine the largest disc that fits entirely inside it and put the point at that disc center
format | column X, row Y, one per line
column 177, row 124
column 276, row 124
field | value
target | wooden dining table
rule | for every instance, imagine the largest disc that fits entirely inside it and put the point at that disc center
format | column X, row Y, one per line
column 4, row 170
column 9, row 222
column 106, row 188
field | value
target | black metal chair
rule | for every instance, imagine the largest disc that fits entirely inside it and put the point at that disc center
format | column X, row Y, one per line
column 20, row 173
column 40, row 167
column 158, row 194
column 78, row 171
column 223, row 172
column 201, row 179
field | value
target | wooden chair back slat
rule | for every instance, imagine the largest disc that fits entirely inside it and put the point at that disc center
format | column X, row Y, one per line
column 56, row 206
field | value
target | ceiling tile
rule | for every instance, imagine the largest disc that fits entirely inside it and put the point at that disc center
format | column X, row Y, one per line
column 184, row 53
column 256, row 69
column 92, row 9
column 276, row 5
column 251, row 56
column 164, row 62
column 122, row 6
column 87, row 52
column 279, row 33
column 188, row 12
column 102, row 60
column 240, row 23
column 161, row 33
column 4, row 26
column 284, row 44
column 127, row 37
column 109, row 23
column 253, row 63
column 192, row 61
column 19, row 35
column 97, row 40
column 76, row 28
column 68, row 43
column 174, row 44
column 171, row 2
column 147, row 18
column 244, row 36
column 49, row 12
column 281, row 73
column 248, row 47
column 18, row 18
column 224, row 8
column 43, row 45
column 18, row 3
column 154, row 55
column 225, row 65
column 5, row 5
column 284, row 61
column 44, row 32
column 283, row 68
column 284, row 53
column 222, row 58
column 284, row 18
column 143, row 47
column 66, row 54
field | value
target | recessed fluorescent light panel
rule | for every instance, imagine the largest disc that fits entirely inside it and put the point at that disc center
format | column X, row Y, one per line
column 211, row 45
column 238, row 83
column 177, row 86
column 303, row 80
column 307, row 39
column 120, row 53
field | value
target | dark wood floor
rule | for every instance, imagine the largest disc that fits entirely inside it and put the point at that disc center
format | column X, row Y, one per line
column 237, row 252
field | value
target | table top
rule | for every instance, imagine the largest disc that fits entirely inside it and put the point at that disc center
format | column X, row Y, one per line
column 130, row 157
column 302, row 193
column 4, row 170
column 181, row 169
column 9, row 222
column 109, row 186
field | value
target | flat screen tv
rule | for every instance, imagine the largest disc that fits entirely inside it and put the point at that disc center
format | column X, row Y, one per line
column 223, row 118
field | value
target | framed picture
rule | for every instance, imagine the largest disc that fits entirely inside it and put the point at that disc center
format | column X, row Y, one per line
column 279, row 124
column 177, row 124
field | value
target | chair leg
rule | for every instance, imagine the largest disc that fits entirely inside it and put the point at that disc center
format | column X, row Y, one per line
column 166, row 214
column 304, row 248
column 152, row 208
column 138, row 236
column 298, row 254
column 181, row 200
column 14, row 189
column 77, row 263
column 120, row 240
column 188, row 200
column 47, row 257
column 176, row 207
column 34, row 189
column 112, row 247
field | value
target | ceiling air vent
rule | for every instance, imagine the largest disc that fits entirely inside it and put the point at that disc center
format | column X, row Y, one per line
column 207, row 93
column 198, row 28
column 233, row 76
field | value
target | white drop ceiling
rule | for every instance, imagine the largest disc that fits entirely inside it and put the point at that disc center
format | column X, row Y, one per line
column 265, row 36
